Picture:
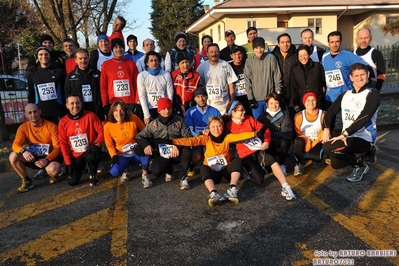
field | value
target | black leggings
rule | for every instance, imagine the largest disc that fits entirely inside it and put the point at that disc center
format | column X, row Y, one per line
column 341, row 154
column 207, row 173
column 162, row 165
column 315, row 154
column 79, row 164
column 252, row 163
column 280, row 148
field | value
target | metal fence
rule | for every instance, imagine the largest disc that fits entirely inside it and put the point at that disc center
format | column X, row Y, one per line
column 391, row 57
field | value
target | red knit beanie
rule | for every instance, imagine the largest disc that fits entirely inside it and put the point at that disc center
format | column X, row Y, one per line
column 306, row 95
column 164, row 103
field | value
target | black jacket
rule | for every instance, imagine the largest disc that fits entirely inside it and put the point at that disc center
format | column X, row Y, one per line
column 73, row 85
column 305, row 78
column 280, row 125
column 286, row 64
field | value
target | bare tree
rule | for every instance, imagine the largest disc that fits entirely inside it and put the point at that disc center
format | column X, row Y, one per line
column 66, row 18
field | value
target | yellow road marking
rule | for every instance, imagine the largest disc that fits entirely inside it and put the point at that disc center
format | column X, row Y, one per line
column 120, row 227
column 61, row 240
column 366, row 228
column 30, row 210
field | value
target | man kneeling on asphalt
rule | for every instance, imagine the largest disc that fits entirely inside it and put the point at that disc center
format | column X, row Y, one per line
column 81, row 136
column 42, row 149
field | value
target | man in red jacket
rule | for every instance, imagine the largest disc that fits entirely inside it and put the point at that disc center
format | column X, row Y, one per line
column 118, row 78
column 81, row 135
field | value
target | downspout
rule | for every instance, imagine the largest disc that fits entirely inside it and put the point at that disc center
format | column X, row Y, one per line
column 340, row 15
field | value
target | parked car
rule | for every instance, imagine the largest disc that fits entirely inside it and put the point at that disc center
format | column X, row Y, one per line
column 14, row 97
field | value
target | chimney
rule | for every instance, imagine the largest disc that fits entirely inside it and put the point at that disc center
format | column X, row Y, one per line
column 216, row 2
column 206, row 8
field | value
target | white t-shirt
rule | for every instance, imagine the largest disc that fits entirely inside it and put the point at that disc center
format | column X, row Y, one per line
column 217, row 79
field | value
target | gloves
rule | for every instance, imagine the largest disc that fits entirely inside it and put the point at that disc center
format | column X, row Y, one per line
column 71, row 169
column 253, row 104
column 114, row 160
column 162, row 141
column 93, row 153
column 262, row 131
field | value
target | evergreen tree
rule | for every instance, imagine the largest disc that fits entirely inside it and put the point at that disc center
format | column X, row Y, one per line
column 169, row 17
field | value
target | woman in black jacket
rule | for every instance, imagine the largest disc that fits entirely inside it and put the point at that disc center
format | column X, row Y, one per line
column 307, row 76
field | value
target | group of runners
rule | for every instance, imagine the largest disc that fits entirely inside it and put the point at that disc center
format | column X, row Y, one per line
column 235, row 112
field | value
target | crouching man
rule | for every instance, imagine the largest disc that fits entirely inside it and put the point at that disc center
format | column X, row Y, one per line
column 36, row 146
column 81, row 136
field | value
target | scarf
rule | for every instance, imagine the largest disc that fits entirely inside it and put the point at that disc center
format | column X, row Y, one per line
column 154, row 72
column 273, row 113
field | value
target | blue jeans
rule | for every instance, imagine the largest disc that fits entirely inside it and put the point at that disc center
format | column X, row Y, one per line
column 118, row 168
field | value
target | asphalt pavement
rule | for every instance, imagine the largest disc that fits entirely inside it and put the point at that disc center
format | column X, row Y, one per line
column 332, row 221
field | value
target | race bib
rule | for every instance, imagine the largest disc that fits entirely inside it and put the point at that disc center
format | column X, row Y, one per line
column 87, row 93
column 79, row 143
column 153, row 97
column 217, row 163
column 239, row 88
column 165, row 149
column 253, row 144
column 47, row 91
column 199, row 130
column 214, row 91
column 334, row 78
column 39, row 149
column 128, row 149
column 121, row 88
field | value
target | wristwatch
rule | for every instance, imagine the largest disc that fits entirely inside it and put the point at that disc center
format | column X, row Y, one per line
column 345, row 134
column 22, row 150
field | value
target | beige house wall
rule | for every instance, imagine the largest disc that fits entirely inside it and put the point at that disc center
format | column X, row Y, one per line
column 267, row 26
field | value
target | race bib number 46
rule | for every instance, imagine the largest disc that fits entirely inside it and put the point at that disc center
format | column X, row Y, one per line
column 217, row 163
column 79, row 143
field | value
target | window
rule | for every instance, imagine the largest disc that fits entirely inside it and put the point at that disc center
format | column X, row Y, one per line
column 391, row 20
column 251, row 23
column 315, row 25
column 282, row 24
column 219, row 33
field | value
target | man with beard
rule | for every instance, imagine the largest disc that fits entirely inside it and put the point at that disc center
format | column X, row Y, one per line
column 219, row 78
column 165, row 126
column 336, row 65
